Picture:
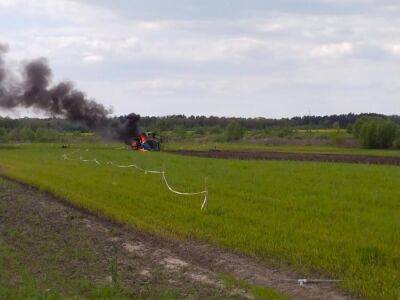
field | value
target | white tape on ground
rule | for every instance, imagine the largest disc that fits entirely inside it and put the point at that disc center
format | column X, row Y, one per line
column 179, row 193
column 205, row 192
column 65, row 157
column 90, row 160
column 133, row 166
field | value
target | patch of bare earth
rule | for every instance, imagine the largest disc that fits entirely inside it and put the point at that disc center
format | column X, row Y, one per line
column 296, row 156
column 101, row 251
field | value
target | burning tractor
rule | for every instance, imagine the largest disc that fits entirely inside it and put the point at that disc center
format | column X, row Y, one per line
column 128, row 130
column 145, row 142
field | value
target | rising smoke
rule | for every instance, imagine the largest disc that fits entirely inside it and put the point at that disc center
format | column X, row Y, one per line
column 34, row 90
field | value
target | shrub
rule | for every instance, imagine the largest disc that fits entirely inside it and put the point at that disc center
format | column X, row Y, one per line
column 199, row 131
column 181, row 133
column 15, row 134
column 336, row 138
column 27, row 134
column 3, row 134
column 215, row 130
column 46, row 135
column 285, row 131
column 349, row 128
column 234, row 131
column 375, row 132
column 396, row 143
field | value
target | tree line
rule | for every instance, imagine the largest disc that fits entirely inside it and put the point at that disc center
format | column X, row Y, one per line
column 317, row 122
column 372, row 130
column 190, row 122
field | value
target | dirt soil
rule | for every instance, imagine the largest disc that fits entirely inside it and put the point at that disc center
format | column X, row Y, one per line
column 82, row 244
column 342, row 158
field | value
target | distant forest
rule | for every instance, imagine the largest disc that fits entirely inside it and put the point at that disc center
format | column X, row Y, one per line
column 183, row 122
column 317, row 122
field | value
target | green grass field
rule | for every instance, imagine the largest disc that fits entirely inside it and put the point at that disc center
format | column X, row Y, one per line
column 243, row 146
column 340, row 221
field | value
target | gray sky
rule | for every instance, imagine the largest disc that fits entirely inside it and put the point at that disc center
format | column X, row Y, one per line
column 216, row 57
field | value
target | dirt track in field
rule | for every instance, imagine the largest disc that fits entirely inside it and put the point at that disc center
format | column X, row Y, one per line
column 338, row 158
column 46, row 224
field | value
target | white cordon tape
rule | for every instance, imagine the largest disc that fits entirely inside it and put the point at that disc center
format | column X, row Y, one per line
column 89, row 160
column 133, row 166
column 94, row 160
column 205, row 192
column 65, row 157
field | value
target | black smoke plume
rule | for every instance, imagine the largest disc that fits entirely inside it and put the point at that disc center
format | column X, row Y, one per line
column 34, row 90
column 123, row 128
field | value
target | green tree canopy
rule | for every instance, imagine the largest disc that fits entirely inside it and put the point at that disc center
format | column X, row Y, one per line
column 375, row 132
column 234, row 131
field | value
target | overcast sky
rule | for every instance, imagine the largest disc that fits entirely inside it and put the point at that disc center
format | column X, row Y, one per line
column 216, row 57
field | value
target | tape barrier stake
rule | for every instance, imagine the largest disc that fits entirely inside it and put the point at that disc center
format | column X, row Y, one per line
column 303, row 281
